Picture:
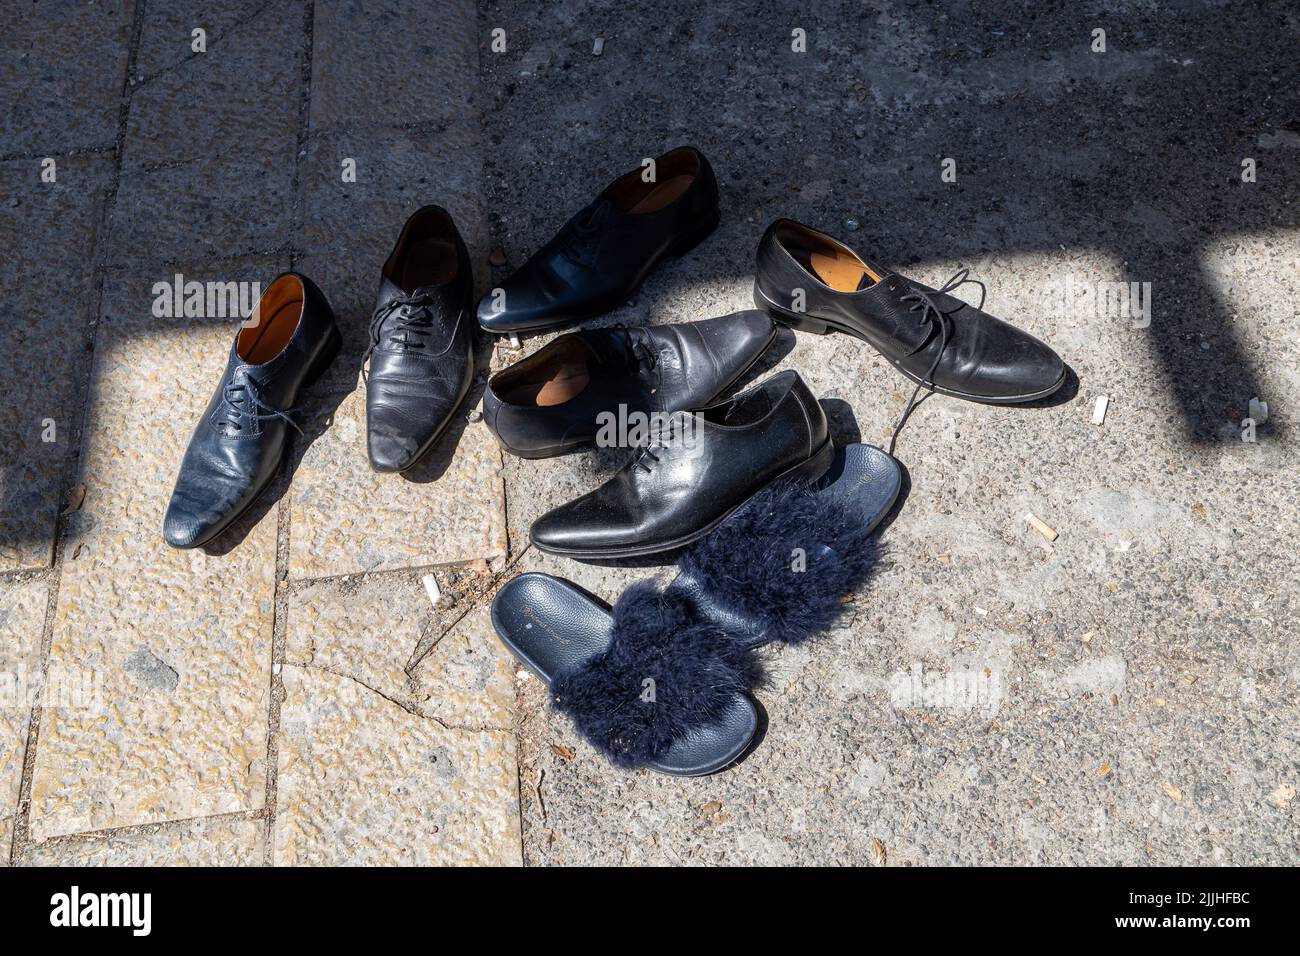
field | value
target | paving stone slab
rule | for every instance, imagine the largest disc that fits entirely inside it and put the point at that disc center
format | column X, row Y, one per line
column 372, row 630
column 209, row 161
column 179, row 642
column 47, row 236
column 424, row 71
column 57, row 102
column 467, row 678
column 363, row 781
column 216, row 842
column 167, row 33
column 22, row 621
column 347, row 518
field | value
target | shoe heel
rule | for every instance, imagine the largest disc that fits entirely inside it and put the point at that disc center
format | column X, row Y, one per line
column 806, row 472
column 696, row 235
column 795, row 320
column 329, row 351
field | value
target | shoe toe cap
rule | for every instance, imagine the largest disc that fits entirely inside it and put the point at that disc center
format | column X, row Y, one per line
column 1034, row 371
column 737, row 339
column 579, row 527
column 197, row 514
column 1014, row 366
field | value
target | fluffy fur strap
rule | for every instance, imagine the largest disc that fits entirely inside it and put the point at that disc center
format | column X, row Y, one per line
column 663, row 675
column 777, row 569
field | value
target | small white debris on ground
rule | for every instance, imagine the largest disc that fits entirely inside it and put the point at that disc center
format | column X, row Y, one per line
column 980, row 611
column 1099, row 409
column 598, row 47
column 1258, row 411
column 431, row 588
column 1041, row 526
column 514, row 340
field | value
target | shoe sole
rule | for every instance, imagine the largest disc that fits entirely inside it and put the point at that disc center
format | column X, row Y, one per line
column 804, row 323
column 806, row 472
column 556, row 450
column 323, row 361
column 682, row 246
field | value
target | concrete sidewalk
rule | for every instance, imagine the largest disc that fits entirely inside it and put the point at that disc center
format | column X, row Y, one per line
column 1124, row 694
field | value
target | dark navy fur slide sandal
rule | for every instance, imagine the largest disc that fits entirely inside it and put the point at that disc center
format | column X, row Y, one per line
column 778, row 569
column 644, row 684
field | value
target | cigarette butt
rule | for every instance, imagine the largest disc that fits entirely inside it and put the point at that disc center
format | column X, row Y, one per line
column 1099, row 409
column 1041, row 526
column 514, row 340
column 431, row 588
column 598, row 47
column 1258, row 411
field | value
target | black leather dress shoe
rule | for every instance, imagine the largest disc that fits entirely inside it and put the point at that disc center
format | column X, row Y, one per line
column 558, row 399
column 814, row 283
column 687, row 482
column 421, row 341
column 603, row 253
column 241, row 438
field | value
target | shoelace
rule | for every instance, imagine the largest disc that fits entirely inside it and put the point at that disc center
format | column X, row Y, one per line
column 242, row 401
column 414, row 318
column 931, row 313
column 660, row 440
column 576, row 241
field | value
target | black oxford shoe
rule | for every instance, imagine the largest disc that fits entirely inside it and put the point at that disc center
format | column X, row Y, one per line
column 689, row 480
column 421, row 341
column 603, row 253
column 565, row 395
column 241, row 439
column 814, row 283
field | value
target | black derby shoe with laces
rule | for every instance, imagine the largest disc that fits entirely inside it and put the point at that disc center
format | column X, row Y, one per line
column 692, row 476
column 421, row 350
column 240, row 441
column 559, row 398
column 814, row 283
column 603, row 254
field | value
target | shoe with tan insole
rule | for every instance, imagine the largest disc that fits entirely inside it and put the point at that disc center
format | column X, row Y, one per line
column 237, row 447
column 610, row 382
column 602, row 255
column 814, row 283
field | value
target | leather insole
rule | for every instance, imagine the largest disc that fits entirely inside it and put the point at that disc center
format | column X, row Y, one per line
column 427, row 262
column 564, row 383
column 841, row 270
column 278, row 312
column 551, row 377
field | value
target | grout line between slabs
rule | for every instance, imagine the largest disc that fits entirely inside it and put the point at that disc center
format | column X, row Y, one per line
column 496, row 240
column 284, row 531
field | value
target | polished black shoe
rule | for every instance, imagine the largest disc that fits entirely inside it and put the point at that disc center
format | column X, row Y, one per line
column 603, row 253
column 421, row 341
column 814, row 283
column 688, row 480
column 238, row 445
column 567, row 394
